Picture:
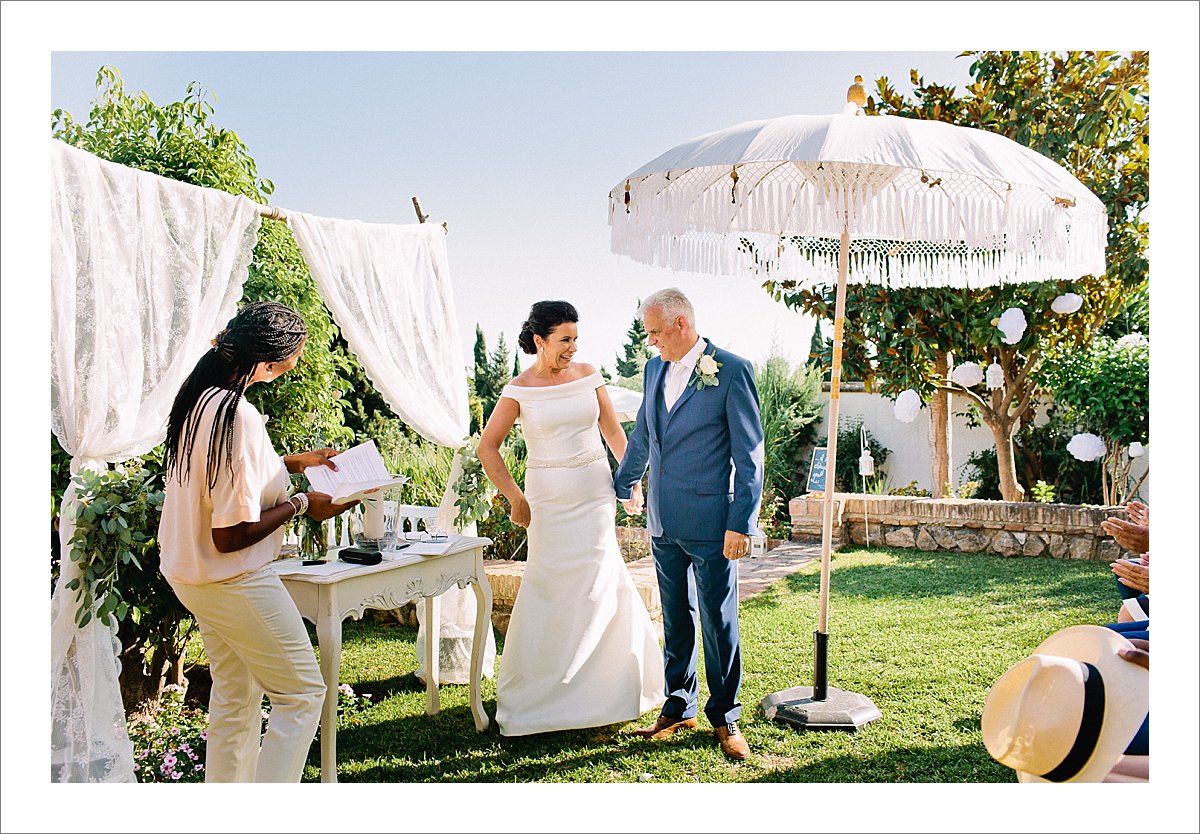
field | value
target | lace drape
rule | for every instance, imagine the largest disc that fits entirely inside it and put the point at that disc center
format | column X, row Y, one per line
column 456, row 625
column 388, row 288
column 144, row 270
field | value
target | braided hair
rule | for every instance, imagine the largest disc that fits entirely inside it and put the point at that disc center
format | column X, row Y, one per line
column 544, row 316
column 264, row 331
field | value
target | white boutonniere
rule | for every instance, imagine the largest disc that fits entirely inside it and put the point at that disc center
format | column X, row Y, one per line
column 706, row 371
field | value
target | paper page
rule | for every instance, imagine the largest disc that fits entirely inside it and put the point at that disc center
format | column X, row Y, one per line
column 432, row 548
column 359, row 469
column 1135, row 609
column 292, row 567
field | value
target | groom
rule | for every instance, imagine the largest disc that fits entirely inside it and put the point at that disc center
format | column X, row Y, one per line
column 699, row 429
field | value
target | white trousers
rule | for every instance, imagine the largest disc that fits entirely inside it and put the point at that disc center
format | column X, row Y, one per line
column 256, row 644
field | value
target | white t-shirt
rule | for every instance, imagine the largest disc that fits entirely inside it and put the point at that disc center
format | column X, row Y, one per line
column 258, row 481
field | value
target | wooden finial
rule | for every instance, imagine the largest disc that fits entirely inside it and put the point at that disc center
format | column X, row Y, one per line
column 857, row 94
column 421, row 218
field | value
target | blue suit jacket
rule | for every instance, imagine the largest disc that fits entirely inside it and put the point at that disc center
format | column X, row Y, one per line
column 693, row 451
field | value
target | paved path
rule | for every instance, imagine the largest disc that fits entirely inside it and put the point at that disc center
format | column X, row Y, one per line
column 755, row 573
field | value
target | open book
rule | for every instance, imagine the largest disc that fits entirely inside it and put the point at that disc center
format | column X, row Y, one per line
column 360, row 470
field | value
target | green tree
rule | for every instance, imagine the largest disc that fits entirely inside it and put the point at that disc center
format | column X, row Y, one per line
column 1105, row 389
column 480, row 375
column 637, row 351
column 498, row 367
column 491, row 375
column 1087, row 111
column 790, row 407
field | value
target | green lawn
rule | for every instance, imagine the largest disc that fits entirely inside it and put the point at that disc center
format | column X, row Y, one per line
column 922, row 634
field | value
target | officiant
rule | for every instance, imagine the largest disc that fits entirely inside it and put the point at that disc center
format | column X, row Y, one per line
column 227, row 503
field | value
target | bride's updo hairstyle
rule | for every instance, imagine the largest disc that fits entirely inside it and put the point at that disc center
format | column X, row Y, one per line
column 544, row 316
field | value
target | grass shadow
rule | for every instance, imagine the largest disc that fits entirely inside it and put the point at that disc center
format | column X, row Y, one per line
column 964, row 764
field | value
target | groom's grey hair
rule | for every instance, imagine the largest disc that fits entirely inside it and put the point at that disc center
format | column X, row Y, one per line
column 672, row 302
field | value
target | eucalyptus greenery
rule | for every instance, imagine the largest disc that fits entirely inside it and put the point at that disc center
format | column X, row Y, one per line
column 115, row 545
column 473, row 488
column 117, row 509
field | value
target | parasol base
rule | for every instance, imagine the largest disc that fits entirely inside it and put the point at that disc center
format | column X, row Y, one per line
column 840, row 710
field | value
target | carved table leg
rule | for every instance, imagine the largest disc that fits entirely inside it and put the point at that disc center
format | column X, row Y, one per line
column 483, row 624
column 433, row 651
column 329, row 639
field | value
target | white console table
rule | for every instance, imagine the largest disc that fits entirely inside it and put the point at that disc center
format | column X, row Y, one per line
column 327, row 594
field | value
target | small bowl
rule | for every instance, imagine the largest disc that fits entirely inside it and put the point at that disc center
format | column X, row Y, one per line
column 383, row 542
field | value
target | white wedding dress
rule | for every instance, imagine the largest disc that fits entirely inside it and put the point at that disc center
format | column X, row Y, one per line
column 581, row 650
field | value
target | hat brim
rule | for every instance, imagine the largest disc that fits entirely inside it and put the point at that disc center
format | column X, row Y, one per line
column 1126, row 693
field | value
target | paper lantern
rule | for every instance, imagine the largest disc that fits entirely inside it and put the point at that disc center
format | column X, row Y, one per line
column 1066, row 303
column 1012, row 323
column 866, row 463
column 995, row 376
column 1136, row 450
column 968, row 374
column 907, row 406
column 1086, row 447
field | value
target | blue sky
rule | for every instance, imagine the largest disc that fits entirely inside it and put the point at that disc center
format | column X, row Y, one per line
column 516, row 150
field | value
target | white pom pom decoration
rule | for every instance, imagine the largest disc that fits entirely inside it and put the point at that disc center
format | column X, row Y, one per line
column 968, row 374
column 1067, row 303
column 1132, row 340
column 1136, row 450
column 1012, row 323
column 907, row 406
column 1086, row 447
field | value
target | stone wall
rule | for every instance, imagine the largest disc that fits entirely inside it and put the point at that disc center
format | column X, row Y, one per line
column 1064, row 531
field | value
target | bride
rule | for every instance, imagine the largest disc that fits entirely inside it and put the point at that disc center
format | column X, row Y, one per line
column 580, row 650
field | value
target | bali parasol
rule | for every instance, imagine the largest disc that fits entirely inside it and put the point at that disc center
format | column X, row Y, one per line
column 849, row 197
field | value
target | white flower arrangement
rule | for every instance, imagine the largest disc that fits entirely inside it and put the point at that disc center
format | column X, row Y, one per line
column 706, row 371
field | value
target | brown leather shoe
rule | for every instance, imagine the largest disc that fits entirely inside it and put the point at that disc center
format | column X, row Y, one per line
column 733, row 744
column 665, row 726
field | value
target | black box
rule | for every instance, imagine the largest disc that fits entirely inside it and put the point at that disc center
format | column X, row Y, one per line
column 360, row 556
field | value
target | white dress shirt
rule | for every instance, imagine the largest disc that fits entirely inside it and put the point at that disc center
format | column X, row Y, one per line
column 678, row 373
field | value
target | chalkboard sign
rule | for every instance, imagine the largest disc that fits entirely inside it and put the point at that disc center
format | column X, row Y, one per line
column 816, row 470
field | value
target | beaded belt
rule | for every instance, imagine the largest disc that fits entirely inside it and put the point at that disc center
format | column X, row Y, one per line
column 574, row 462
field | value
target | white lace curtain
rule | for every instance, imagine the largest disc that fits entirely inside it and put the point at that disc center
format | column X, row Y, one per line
column 388, row 288
column 143, row 271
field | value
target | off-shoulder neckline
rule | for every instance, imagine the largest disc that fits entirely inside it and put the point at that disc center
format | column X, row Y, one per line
column 555, row 385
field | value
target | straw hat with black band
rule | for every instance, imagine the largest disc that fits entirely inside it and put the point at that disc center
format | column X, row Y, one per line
column 1067, row 712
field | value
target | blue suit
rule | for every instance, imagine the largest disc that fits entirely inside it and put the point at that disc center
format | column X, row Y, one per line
column 705, row 458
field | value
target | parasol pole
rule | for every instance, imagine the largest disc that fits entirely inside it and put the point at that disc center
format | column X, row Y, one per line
column 818, row 707
column 821, row 636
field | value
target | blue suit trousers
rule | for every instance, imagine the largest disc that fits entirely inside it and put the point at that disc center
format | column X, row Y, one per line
column 695, row 575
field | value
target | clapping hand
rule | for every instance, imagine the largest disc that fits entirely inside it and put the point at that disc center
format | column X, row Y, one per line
column 1133, row 574
column 1131, row 536
column 1138, row 513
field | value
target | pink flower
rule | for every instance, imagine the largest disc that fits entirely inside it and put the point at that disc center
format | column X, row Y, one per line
column 169, row 760
column 204, row 734
column 198, row 768
column 176, row 775
column 174, row 731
